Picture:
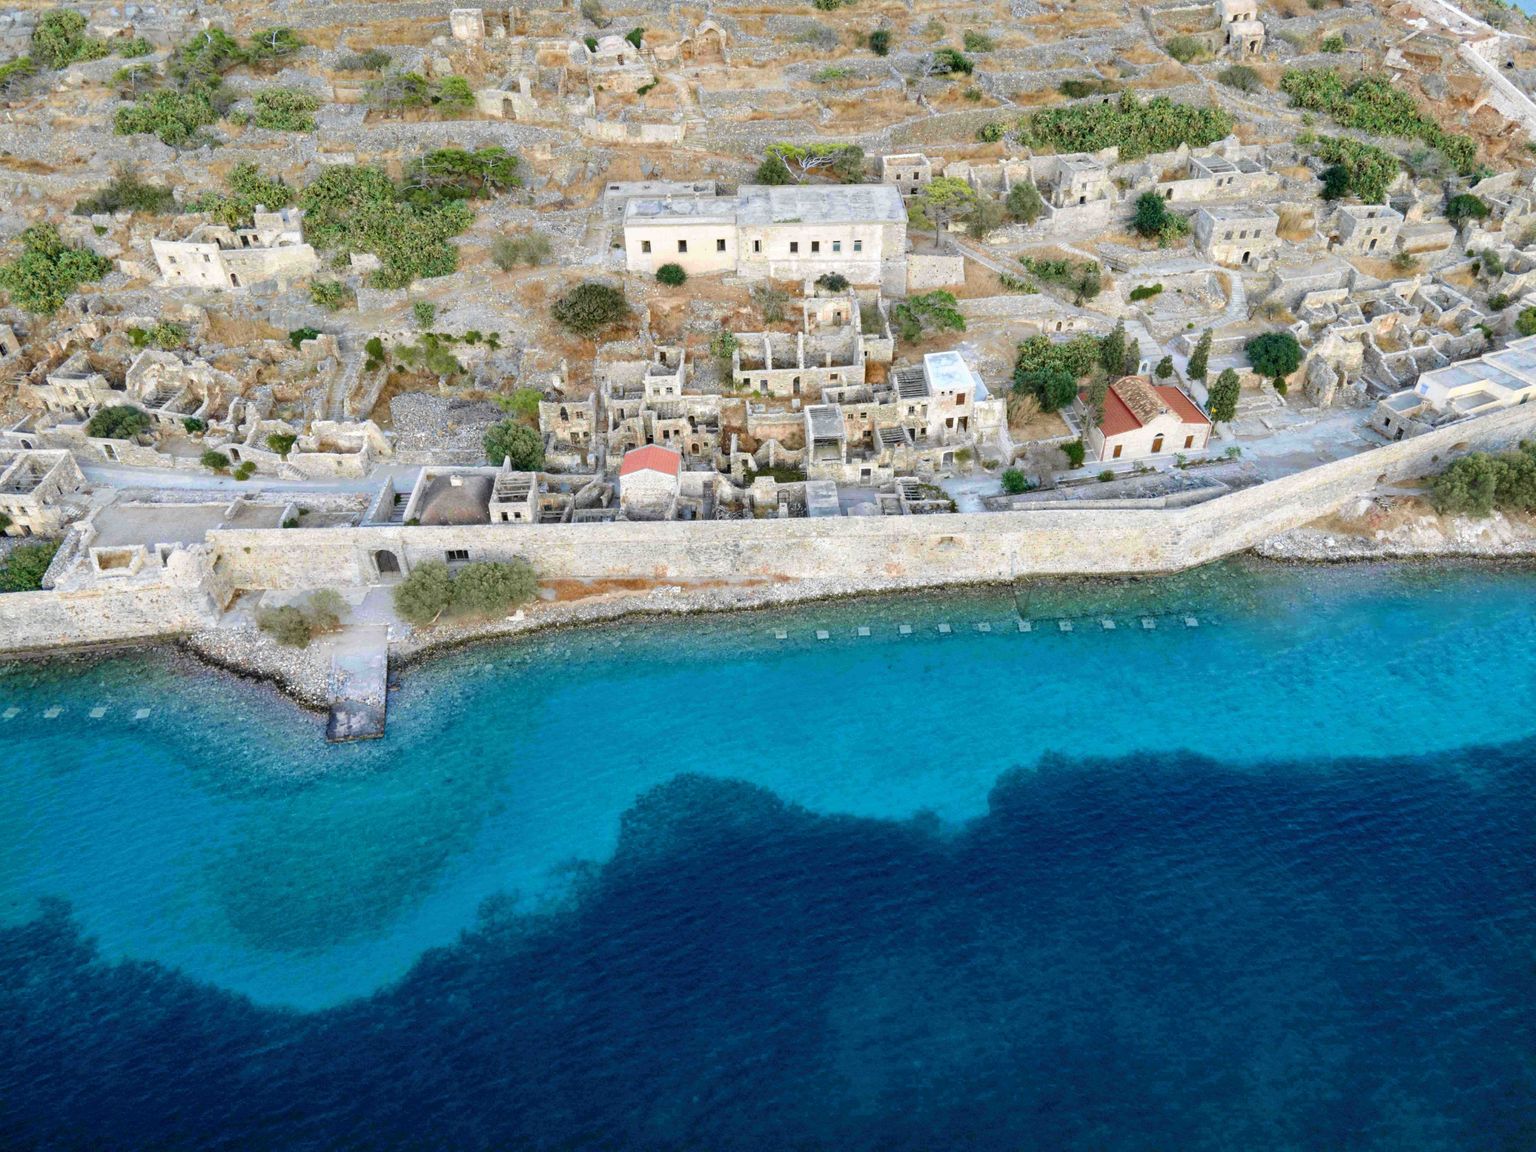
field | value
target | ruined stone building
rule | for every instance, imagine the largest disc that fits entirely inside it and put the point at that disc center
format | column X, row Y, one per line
column 214, row 256
column 1237, row 236
column 35, row 491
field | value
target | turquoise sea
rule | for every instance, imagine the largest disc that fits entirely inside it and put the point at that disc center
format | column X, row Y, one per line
column 1244, row 858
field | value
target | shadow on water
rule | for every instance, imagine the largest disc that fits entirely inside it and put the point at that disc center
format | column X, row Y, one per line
column 1123, row 954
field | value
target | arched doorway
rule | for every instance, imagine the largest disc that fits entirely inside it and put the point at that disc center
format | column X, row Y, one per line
column 386, row 563
column 1157, row 444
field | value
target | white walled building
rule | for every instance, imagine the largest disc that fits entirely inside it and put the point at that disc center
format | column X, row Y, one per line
column 795, row 232
column 649, row 480
column 1145, row 419
column 1487, row 383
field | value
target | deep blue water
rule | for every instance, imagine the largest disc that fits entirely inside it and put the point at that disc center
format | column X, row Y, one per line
column 1265, row 882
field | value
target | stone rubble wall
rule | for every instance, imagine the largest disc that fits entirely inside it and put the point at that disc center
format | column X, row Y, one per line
column 941, row 549
column 46, row 620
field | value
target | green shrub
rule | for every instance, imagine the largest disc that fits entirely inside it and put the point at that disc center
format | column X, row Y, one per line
column 531, row 248
column 285, row 110
column 172, row 117
column 162, row 334
column 1370, row 169
column 128, row 193
column 118, row 422
column 1136, row 128
column 244, row 470
column 978, row 42
column 1374, row 105
column 214, row 459
column 287, row 625
column 299, row 335
column 425, row 594
column 931, row 311
column 1164, row 369
column 522, row 403
column 133, row 47
column 332, row 295
column 1145, row 291
column 424, row 312
column 490, row 588
column 1074, row 88
column 635, row 36
column 1106, row 476
column 515, row 441
column 1153, row 221
column 1332, row 44
column 17, row 75
column 282, row 442
column 992, row 131
column 1014, row 482
column 24, row 566
column 48, row 270
column 273, row 45
column 1525, row 322
column 672, row 275
column 194, row 425
column 373, row 60
column 1241, row 77
column 880, row 42
column 1335, row 180
column 59, row 40
column 457, row 174
column 1076, row 452
column 1024, row 203
column 950, row 62
column 1479, row 483
column 1184, row 48
column 590, row 307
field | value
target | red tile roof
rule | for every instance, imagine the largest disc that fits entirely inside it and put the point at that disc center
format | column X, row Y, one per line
column 652, row 457
column 1119, row 418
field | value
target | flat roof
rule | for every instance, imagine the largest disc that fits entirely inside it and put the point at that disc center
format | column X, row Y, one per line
column 826, row 422
column 128, row 525
column 689, row 209
column 948, row 370
column 759, row 204
column 1238, row 212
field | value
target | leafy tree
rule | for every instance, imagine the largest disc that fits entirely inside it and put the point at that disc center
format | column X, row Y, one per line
column 452, row 96
column 455, row 174
column 1154, row 222
column 1525, row 322
column 491, row 588
column 1076, row 451
column 273, row 45
column 194, row 425
column 173, row 117
column 943, row 200
column 59, row 39
column 672, row 275
column 1113, row 349
column 48, row 270
column 119, row 422
column 635, row 36
column 1222, row 396
column 1200, row 357
column 1014, row 482
column 1274, row 354
column 201, row 61
column 128, row 193
column 842, row 162
column 425, row 594
column 134, row 79
column 515, row 441
column 523, row 403
column 880, row 42
column 916, row 315
column 986, row 217
column 1024, row 203
column 282, row 442
column 1054, row 387
column 1335, row 182
column 285, row 110
column 1136, row 128
column 590, row 307
column 24, row 567
column 1460, row 209
column 373, row 60
column 1164, row 369
column 950, row 62
column 397, row 91
column 773, row 171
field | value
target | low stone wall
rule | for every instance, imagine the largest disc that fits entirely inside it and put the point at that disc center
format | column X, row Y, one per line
column 927, row 549
column 44, row 620
column 925, row 272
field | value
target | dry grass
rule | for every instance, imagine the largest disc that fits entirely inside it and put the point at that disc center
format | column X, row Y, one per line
column 1296, row 224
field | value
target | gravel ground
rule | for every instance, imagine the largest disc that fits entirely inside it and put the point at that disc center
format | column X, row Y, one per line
column 1492, row 538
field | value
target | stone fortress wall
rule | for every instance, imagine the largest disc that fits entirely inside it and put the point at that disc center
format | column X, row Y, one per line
column 931, row 550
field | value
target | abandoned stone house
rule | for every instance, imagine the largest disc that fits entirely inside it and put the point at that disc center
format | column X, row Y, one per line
column 650, row 402
column 1365, row 229
column 1242, row 30
column 910, row 172
column 794, row 232
column 73, row 390
column 491, row 494
column 1076, row 179
column 35, row 491
column 1237, row 236
column 1143, row 419
column 173, row 392
column 1227, row 173
column 214, row 256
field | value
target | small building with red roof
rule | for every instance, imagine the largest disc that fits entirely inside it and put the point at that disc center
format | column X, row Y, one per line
column 649, row 478
column 1145, row 419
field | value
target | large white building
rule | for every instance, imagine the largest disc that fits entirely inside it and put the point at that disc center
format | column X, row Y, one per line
column 1487, row 383
column 794, row 232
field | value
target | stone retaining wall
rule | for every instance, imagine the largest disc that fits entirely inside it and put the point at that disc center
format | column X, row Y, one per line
column 929, row 549
column 45, row 620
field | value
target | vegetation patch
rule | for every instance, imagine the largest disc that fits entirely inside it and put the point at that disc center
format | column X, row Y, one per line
column 48, row 270
column 1136, row 128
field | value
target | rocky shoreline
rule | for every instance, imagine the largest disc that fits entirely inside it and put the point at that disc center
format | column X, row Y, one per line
column 1396, row 529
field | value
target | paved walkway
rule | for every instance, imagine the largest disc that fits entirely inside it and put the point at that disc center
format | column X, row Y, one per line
column 359, row 683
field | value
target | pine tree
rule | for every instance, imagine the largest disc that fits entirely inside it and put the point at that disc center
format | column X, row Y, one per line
column 1201, row 356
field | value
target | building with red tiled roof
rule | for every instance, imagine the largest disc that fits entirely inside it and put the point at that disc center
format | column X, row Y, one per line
column 648, row 482
column 1146, row 419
